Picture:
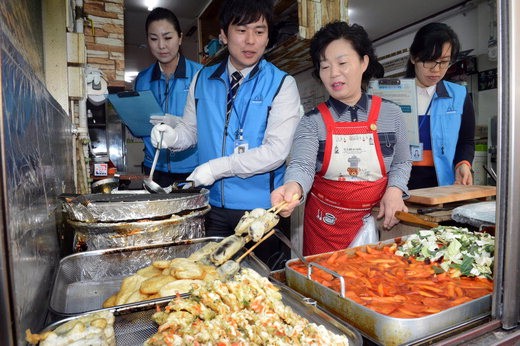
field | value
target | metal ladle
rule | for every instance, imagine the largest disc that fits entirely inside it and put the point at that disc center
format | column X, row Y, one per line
column 148, row 183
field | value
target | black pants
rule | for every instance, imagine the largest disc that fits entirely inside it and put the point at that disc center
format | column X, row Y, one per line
column 221, row 222
column 422, row 177
column 165, row 178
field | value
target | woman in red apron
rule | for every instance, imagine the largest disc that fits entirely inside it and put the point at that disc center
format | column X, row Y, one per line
column 351, row 152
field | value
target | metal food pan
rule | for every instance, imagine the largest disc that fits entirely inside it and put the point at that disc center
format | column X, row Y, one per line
column 85, row 280
column 106, row 235
column 381, row 328
column 134, row 324
column 125, row 207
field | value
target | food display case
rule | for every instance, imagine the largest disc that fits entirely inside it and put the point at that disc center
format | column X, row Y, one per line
column 375, row 326
column 133, row 324
column 84, row 280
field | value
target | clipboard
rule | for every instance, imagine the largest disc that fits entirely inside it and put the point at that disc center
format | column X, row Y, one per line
column 403, row 92
column 134, row 109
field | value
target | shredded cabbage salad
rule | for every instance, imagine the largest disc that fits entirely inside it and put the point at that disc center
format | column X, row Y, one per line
column 452, row 249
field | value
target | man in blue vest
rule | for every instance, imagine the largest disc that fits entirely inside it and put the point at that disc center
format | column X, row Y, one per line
column 243, row 125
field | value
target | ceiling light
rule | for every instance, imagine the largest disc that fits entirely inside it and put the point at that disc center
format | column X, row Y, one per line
column 150, row 4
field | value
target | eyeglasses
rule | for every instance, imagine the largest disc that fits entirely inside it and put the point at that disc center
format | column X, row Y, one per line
column 443, row 64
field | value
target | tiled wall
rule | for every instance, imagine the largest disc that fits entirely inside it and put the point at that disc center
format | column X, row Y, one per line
column 104, row 38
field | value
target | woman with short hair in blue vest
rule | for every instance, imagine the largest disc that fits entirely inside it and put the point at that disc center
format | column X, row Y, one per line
column 169, row 80
column 242, row 113
column 446, row 117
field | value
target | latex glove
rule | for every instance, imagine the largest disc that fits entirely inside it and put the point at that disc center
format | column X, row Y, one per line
column 167, row 119
column 202, row 175
column 169, row 137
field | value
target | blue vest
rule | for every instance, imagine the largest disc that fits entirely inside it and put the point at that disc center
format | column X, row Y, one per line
column 173, row 102
column 446, row 110
column 250, row 112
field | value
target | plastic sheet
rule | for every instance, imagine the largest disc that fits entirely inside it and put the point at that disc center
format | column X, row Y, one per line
column 475, row 214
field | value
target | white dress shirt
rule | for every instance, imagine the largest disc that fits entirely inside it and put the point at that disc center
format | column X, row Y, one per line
column 283, row 118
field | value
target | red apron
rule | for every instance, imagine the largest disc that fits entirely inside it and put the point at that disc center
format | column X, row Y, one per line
column 352, row 180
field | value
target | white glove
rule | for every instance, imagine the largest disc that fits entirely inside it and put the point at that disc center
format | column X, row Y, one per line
column 169, row 139
column 167, row 119
column 202, row 175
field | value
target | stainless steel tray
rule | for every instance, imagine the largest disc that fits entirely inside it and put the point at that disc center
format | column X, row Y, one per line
column 85, row 280
column 133, row 324
column 124, row 207
column 380, row 328
column 107, row 235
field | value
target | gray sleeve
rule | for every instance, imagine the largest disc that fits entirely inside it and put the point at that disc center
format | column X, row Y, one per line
column 400, row 166
column 303, row 156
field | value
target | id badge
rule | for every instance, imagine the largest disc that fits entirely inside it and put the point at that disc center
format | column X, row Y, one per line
column 241, row 146
column 416, row 152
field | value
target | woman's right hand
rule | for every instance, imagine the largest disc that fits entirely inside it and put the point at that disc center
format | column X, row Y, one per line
column 291, row 193
column 168, row 135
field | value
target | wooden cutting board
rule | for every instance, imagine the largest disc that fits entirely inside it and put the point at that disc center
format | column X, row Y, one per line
column 451, row 193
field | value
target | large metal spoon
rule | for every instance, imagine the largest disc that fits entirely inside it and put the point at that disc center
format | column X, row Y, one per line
column 148, row 183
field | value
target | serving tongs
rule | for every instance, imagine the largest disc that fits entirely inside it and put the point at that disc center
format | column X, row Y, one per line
column 310, row 265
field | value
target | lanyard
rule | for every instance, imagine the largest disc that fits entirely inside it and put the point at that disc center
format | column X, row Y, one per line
column 242, row 119
column 164, row 102
column 425, row 114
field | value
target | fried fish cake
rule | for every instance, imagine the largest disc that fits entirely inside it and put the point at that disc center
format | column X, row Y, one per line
column 154, row 284
column 184, row 268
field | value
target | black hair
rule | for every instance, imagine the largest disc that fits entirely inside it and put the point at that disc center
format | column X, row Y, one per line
column 427, row 45
column 355, row 34
column 160, row 13
column 242, row 12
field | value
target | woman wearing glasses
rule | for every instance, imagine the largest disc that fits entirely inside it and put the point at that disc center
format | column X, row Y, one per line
column 446, row 116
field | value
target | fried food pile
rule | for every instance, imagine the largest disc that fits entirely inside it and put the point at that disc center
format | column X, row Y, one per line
column 162, row 279
column 166, row 278
column 246, row 311
column 92, row 329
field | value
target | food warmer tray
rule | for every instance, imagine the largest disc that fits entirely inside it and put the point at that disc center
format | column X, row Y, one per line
column 380, row 328
column 129, row 206
column 85, row 280
column 133, row 324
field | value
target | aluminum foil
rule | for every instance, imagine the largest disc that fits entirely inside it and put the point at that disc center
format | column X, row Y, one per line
column 131, row 207
column 97, row 236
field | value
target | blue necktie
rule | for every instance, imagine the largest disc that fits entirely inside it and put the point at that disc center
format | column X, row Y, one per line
column 235, row 82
